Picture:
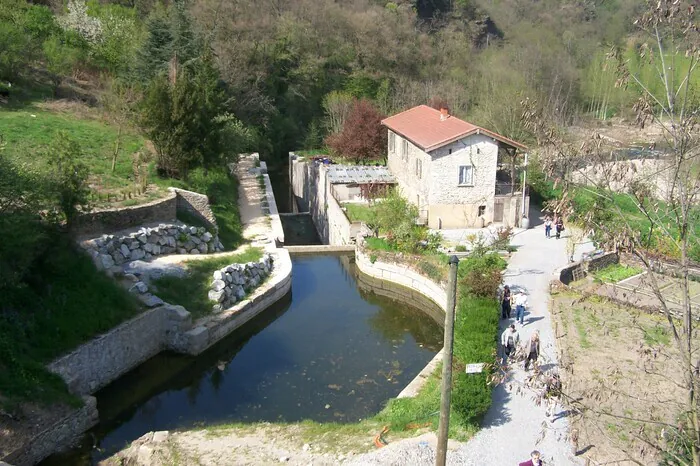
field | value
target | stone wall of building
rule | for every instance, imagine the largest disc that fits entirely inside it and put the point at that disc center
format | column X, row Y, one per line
column 64, row 432
column 108, row 220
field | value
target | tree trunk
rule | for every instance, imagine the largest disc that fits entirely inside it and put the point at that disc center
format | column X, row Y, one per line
column 117, row 146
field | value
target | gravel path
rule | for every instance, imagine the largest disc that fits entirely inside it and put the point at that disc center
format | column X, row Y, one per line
column 514, row 423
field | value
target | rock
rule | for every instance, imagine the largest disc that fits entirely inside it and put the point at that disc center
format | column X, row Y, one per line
column 216, row 308
column 182, row 251
column 148, row 256
column 156, row 250
column 228, row 278
column 193, row 230
column 142, row 238
column 139, row 287
column 148, row 247
column 153, row 238
column 150, row 300
column 206, row 237
column 217, row 296
column 137, row 254
column 195, row 240
column 124, row 249
column 189, row 245
column 306, row 447
column 131, row 277
column 219, row 275
column 218, row 285
column 203, row 248
column 167, row 250
column 240, row 292
column 161, row 436
column 106, row 261
column 194, row 251
column 134, row 245
column 171, row 241
column 163, row 240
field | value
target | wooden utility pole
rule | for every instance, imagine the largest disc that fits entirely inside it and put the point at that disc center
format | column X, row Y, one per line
column 446, row 397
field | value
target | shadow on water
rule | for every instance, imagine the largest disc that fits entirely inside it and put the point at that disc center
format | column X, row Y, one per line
column 332, row 350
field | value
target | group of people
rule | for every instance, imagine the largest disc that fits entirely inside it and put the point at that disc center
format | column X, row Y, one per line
column 508, row 300
column 510, row 339
column 557, row 223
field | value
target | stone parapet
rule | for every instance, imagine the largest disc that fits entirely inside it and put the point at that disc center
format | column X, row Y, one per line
column 195, row 204
column 231, row 283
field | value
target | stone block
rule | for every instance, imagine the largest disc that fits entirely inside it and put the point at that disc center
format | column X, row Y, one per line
column 216, row 296
column 203, row 248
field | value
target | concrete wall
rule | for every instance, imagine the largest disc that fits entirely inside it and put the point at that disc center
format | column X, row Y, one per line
column 195, row 204
column 109, row 220
column 566, row 274
column 64, row 432
column 273, row 212
column 102, row 360
column 312, row 190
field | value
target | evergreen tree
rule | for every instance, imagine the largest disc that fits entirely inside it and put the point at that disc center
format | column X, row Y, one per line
column 155, row 54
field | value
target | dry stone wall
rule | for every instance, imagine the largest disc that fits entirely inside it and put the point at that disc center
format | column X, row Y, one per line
column 233, row 282
column 110, row 250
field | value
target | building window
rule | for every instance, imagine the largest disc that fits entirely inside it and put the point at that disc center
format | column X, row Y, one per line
column 482, row 210
column 466, row 175
column 392, row 142
column 404, row 149
column 449, row 151
column 419, row 168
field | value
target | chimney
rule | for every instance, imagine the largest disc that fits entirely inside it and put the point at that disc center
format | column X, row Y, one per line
column 444, row 114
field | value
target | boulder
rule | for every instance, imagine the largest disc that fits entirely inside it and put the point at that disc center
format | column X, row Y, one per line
column 219, row 275
column 142, row 238
column 206, row 237
column 137, row 254
column 217, row 296
column 138, row 287
column 218, row 285
column 203, row 248
column 195, row 240
column 126, row 252
column 193, row 230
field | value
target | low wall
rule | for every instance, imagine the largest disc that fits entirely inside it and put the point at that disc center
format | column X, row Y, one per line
column 583, row 267
column 101, row 221
column 273, row 212
column 404, row 276
column 56, row 436
column 211, row 329
column 195, row 204
column 102, row 360
column 340, row 229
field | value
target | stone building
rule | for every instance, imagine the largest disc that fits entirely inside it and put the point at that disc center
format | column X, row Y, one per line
column 458, row 174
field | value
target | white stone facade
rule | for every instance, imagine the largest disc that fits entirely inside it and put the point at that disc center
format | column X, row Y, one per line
column 432, row 180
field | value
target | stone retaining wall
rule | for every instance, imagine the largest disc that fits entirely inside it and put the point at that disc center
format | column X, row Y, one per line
column 110, row 250
column 583, row 267
column 209, row 330
column 195, row 204
column 102, row 360
column 231, row 283
column 56, row 436
column 101, row 221
column 403, row 275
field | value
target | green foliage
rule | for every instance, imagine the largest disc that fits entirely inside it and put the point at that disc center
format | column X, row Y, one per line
column 51, row 312
column 359, row 212
column 480, row 274
column 70, row 176
column 657, row 335
column 191, row 291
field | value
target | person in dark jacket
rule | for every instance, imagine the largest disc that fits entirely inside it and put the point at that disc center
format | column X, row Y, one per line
column 532, row 349
column 505, row 303
column 559, row 226
column 535, row 460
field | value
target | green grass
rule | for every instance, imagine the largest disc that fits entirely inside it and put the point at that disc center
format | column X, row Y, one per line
column 581, row 330
column 29, row 131
column 63, row 303
column 191, row 291
column 222, row 190
column 657, row 335
column 358, row 212
column 616, row 272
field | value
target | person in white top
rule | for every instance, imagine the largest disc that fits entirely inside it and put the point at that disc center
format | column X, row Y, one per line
column 510, row 339
column 520, row 305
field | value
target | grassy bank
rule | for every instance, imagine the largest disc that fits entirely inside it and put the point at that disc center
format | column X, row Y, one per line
column 62, row 303
column 191, row 291
column 616, row 272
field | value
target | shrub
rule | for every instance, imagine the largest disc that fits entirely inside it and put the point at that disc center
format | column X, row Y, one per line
column 482, row 283
column 362, row 138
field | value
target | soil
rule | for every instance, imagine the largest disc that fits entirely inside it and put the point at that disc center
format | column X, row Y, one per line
column 297, row 444
column 25, row 422
column 620, row 365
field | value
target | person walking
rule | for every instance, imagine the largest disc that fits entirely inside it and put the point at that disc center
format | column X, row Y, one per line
column 532, row 349
column 548, row 227
column 535, row 460
column 510, row 339
column 520, row 305
column 505, row 303
column 559, row 226
column 552, row 393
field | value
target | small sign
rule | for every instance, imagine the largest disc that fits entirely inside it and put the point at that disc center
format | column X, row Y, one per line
column 474, row 368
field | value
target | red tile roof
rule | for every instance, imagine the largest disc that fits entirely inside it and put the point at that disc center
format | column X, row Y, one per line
column 422, row 126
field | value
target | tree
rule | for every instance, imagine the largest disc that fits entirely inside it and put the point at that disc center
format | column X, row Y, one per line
column 363, row 138
column 337, row 106
column 70, row 177
column 670, row 219
column 120, row 101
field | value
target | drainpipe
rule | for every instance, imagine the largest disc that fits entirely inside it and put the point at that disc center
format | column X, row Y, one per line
column 523, row 186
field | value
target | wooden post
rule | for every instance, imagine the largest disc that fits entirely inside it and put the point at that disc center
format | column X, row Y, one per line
column 446, row 397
